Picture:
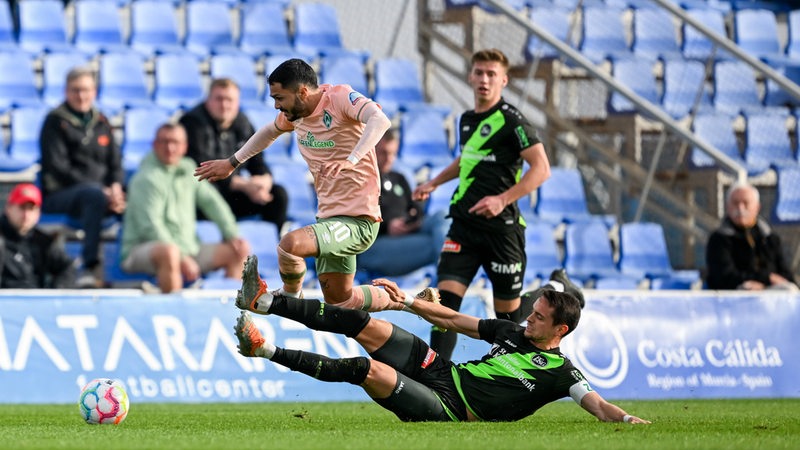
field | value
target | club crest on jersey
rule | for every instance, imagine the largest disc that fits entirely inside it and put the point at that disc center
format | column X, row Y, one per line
column 486, row 130
column 451, row 247
column 326, row 118
column 539, row 360
column 354, row 97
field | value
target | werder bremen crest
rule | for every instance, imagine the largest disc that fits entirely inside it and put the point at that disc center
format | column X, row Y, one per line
column 326, row 118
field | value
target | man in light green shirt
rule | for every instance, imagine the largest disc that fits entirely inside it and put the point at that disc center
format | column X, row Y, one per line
column 160, row 226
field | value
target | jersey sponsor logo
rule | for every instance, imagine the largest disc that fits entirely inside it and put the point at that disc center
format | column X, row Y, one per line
column 506, row 268
column 451, row 247
column 354, row 97
column 510, row 344
column 539, row 360
column 428, row 359
column 326, row 118
column 312, row 142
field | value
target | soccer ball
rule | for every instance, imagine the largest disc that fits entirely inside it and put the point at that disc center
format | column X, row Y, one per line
column 103, row 401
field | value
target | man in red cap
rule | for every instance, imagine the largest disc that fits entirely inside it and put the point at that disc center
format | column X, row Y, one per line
column 29, row 257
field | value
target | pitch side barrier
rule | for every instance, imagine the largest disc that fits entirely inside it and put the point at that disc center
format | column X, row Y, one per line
column 181, row 348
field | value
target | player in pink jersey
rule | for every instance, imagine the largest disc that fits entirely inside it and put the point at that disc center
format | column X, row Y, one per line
column 337, row 129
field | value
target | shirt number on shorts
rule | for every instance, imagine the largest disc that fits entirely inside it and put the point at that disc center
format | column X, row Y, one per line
column 339, row 231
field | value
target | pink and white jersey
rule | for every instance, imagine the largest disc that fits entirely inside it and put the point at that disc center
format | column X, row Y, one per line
column 330, row 133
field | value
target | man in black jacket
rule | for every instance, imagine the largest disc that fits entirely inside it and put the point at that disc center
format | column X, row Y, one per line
column 30, row 258
column 216, row 129
column 82, row 166
column 743, row 253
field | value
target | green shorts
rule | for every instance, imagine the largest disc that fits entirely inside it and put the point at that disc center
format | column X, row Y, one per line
column 340, row 239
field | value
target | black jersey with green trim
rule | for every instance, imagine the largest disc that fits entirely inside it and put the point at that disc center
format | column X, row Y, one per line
column 515, row 378
column 491, row 142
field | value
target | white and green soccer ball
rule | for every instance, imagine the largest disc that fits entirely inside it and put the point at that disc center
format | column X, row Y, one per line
column 103, row 401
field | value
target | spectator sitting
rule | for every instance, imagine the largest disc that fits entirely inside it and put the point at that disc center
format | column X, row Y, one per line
column 407, row 239
column 159, row 234
column 29, row 257
column 216, row 129
column 743, row 253
column 82, row 167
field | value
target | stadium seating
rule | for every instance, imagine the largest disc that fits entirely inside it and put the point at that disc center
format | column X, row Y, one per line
column 178, row 82
column 42, row 26
column 209, row 30
column 587, row 251
column 154, row 28
column 654, row 34
column 636, row 74
column 347, row 68
column 263, row 29
column 440, row 198
column 756, row 32
column 555, row 21
column 123, row 82
column 787, row 204
column 735, row 88
column 682, row 81
column 695, row 44
column 768, row 143
column 55, row 67
column 139, row 133
column 562, row 199
column 793, row 44
column 263, row 239
column 603, row 34
column 17, row 81
column 26, row 125
column 8, row 40
column 240, row 68
column 278, row 151
column 616, row 283
column 297, row 180
column 97, row 27
column 397, row 84
column 542, row 252
column 316, row 29
column 423, row 139
column 717, row 130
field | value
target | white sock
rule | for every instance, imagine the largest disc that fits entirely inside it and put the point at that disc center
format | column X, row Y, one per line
column 266, row 350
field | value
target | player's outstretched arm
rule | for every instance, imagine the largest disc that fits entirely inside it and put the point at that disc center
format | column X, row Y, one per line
column 607, row 412
column 441, row 316
column 219, row 169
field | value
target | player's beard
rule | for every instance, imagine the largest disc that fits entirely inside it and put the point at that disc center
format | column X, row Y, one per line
column 297, row 110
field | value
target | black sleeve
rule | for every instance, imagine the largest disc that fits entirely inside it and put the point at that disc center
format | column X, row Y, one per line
column 200, row 148
column 57, row 170
column 722, row 272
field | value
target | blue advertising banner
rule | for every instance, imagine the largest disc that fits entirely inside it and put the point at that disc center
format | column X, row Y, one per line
column 181, row 348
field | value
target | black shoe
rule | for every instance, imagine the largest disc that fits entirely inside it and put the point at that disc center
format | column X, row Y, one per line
column 560, row 275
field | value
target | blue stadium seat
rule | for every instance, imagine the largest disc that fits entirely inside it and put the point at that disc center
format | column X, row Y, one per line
column 440, row 198
column 42, row 26
column 295, row 177
column 264, row 29
column 562, row 199
column 423, row 139
column 97, row 27
column 122, row 83
column 55, row 67
column 8, row 40
column 683, row 79
column 278, row 151
column 654, row 34
column 603, row 34
column 178, row 82
column 26, row 125
column 587, row 251
column 793, row 44
column 263, row 239
column 756, row 32
column 154, row 28
column 316, row 28
column 616, row 283
column 643, row 250
column 139, row 133
column 209, row 29
column 113, row 275
column 397, row 84
column 17, row 81
column 787, row 203
column 735, row 88
column 542, row 252
column 717, row 130
column 768, row 143
column 637, row 75
column 240, row 68
column 345, row 68
column 555, row 21
column 695, row 44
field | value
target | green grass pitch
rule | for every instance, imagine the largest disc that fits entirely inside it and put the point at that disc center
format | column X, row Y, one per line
column 677, row 424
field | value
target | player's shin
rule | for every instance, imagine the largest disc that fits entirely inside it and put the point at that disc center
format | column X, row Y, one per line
column 320, row 316
column 350, row 370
